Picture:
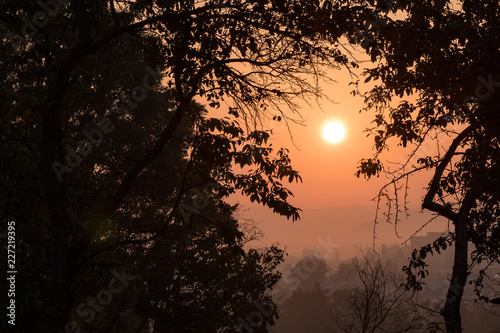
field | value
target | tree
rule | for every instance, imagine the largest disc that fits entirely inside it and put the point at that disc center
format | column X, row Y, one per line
column 345, row 272
column 132, row 245
column 209, row 285
column 306, row 305
column 88, row 131
column 380, row 303
column 305, row 311
column 443, row 86
column 312, row 272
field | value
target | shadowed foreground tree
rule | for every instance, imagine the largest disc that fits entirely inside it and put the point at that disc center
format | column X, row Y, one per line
column 87, row 133
column 442, row 88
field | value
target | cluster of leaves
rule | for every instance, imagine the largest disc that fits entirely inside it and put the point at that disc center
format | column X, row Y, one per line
column 417, row 260
column 244, row 162
column 450, row 72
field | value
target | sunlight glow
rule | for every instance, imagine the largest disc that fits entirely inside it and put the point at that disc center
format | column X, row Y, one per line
column 333, row 131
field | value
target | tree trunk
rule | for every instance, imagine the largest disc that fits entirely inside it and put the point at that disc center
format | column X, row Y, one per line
column 451, row 310
column 54, row 197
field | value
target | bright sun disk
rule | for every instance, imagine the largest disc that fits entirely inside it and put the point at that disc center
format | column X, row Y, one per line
column 333, row 131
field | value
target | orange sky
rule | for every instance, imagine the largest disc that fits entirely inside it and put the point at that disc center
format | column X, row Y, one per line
column 334, row 201
column 327, row 170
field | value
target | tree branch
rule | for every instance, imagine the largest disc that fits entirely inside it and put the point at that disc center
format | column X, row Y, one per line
column 428, row 202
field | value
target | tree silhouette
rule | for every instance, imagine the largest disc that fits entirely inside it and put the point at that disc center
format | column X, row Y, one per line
column 450, row 70
column 312, row 271
column 379, row 302
column 88, row 132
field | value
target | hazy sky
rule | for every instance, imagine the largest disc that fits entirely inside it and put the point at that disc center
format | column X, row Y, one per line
column 327, row 170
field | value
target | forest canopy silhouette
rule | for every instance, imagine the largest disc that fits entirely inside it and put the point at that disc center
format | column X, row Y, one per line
column 116, row 171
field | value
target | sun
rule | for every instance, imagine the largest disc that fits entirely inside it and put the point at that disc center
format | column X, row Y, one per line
column 333, row 131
